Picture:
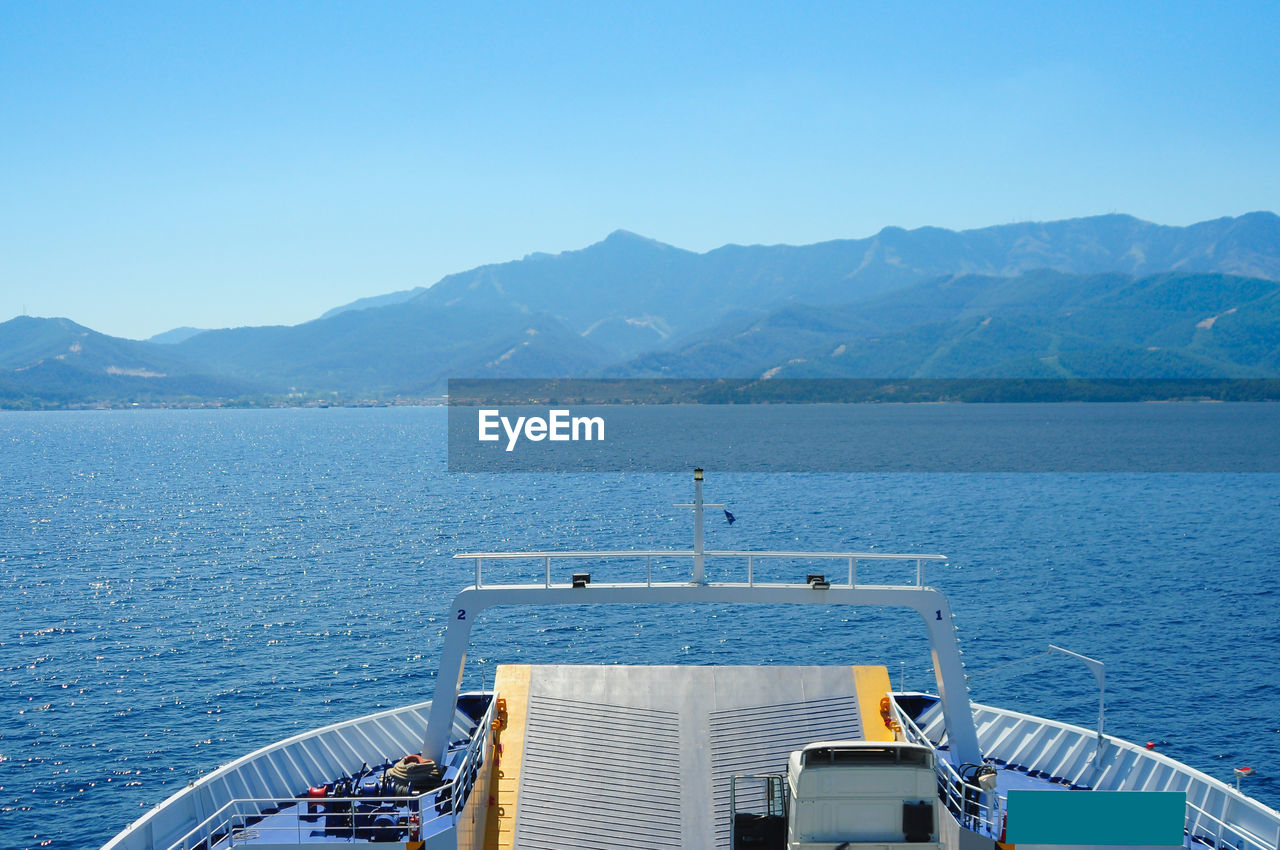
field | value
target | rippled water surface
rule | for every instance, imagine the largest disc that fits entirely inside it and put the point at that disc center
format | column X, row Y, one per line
column 181, row 587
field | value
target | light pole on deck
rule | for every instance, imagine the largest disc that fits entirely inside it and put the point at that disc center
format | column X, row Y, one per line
column 699, row 559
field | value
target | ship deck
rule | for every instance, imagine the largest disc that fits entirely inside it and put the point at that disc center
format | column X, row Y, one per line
column 597, row 756
column 594, row 756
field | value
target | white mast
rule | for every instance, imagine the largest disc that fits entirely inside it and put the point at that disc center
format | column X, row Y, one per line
column 699, row 561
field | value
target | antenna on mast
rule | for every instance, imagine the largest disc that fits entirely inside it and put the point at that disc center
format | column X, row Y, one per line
column 699, row 560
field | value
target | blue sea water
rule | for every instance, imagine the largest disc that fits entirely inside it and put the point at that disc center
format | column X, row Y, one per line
column 181, row 587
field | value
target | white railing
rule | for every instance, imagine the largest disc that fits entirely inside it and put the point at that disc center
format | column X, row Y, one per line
column 1219, row 833
column 975, row 809
column 249, row 819
column 850, row 560
column 245, row 818
column 1217, row 815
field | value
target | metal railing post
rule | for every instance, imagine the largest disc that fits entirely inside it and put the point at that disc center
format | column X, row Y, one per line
column 751, row 570
column 478, row 572
column 987, row 804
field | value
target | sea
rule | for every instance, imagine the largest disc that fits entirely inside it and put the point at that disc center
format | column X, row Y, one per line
column 181, row 587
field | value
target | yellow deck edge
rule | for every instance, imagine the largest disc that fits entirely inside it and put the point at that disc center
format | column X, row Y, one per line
column 511, row 683
column 872, row 685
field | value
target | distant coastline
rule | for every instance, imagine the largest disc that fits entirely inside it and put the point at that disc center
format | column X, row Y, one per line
column 741, row 391
column 230, row 404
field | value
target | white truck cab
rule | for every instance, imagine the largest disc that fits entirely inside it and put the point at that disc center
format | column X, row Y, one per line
column 861, row 794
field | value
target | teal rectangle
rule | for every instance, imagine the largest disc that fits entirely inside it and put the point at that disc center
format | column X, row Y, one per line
column 1095, row 817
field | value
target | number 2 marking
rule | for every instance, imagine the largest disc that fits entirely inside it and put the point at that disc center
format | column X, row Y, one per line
column 462, row 614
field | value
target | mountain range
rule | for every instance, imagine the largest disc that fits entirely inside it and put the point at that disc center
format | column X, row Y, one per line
column 1107, row 296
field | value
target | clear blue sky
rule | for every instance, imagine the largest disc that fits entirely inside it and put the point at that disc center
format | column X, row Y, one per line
column 216, row 164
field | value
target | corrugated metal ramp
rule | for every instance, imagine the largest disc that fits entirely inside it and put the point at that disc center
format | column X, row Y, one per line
column 640, row 757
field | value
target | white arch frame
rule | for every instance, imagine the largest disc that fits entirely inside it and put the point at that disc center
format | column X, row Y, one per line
column 929, row 603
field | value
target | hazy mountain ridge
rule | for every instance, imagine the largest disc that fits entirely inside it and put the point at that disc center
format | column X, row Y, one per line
column 405, row 348
column 1040, row 324
column 1105, row 296
column 626, row 277
column 29, row 341
column 54, row 362
column 175, row 336
column 387, row 300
